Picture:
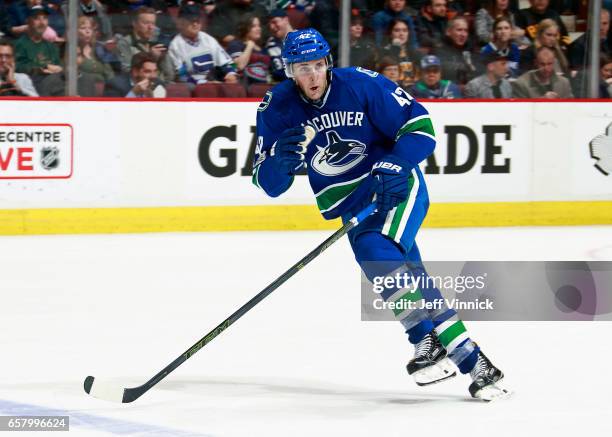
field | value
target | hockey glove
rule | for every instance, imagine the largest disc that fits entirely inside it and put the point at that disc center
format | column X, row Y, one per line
column 391, row 176
column 287, row 154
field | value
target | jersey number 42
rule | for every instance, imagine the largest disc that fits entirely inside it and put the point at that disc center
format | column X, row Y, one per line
column 401, row 96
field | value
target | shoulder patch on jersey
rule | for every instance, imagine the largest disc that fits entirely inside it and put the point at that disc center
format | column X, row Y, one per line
column 265, row 102
column 366, row 71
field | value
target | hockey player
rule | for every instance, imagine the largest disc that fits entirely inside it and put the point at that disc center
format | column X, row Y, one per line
column 370, row 137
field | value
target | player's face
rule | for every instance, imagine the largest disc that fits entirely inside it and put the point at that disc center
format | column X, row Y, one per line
column 503, row 31
column 311, row 77
column 431, row 76
column 606, row 71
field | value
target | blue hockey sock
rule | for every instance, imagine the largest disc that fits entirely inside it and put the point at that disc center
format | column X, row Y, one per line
column 468, row 363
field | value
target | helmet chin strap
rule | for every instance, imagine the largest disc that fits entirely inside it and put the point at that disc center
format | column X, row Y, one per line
column 318, row 101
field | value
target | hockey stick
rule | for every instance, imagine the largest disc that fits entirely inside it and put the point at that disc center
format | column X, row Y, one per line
column 116, row 393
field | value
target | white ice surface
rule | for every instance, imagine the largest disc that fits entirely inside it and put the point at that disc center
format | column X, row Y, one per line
column 121, row 307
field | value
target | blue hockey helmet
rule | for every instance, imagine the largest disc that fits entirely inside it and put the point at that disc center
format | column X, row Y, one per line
column 302, row 46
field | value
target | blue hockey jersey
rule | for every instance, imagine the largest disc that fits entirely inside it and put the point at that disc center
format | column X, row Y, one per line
column 362, row 117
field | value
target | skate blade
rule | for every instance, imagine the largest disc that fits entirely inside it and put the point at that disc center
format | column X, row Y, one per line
column 433, row 374
column 493, row 392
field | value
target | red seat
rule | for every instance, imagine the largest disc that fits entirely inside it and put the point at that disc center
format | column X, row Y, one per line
column 233, row 90
column 99, row 88
column 258, row 89
column 179, row 89
column 207, row 90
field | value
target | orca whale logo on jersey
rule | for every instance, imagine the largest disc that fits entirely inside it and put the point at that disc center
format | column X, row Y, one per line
column 338, row 156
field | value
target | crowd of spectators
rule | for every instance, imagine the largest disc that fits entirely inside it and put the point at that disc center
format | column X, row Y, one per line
column 432, row 48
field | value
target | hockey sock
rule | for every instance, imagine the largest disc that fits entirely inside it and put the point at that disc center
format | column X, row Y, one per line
column 389, row 263
column 454, row 337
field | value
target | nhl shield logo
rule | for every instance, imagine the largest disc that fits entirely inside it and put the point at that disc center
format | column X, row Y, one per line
column 49, row 158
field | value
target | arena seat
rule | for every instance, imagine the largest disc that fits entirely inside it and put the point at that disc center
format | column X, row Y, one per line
column 178, row 89
column 207, row 90
column 258, row 89
column 233, row 90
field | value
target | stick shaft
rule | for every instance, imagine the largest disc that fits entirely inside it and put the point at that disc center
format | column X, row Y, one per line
column 133, row 394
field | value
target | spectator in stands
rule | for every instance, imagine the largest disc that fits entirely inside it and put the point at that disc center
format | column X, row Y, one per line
column 226, row 16
column 279, row 26
column 142, row 39
column 394, row 10
column 251, row 61
column 529, row 18
column 142, row 81
column 87, row 59
column 456, row 52
column 547, row 35
column 196, row 56
column 363, row 51
column 502, row 44
column 578, row 49
column 38, row 58
column 486, row 16
column 493, row 83
column 431, row 85
column 12, row 83
column 542, row 82
column 400, row 49
column 431, row 23
column 605, row 71
column 97, row 11
column 18, row 16
column 580, row 82
column 389, row 67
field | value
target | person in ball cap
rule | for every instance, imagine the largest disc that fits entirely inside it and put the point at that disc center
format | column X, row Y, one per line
column 39, row 58
column 279, row 26
column 493, row 84
column 431, row 85
column 195, row 55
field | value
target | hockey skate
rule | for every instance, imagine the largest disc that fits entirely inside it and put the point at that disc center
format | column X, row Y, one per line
column 430, row 364
column 486, row 381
